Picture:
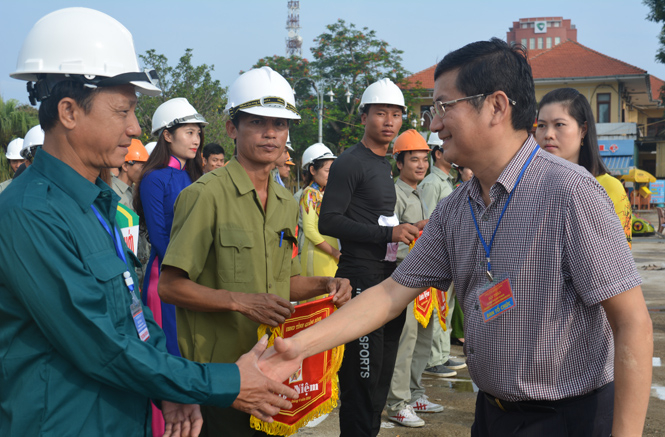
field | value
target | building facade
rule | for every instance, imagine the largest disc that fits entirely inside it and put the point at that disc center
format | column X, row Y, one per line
column 541, row 33
column 617, row 91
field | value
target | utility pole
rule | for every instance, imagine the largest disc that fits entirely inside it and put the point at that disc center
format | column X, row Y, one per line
column 319, row 88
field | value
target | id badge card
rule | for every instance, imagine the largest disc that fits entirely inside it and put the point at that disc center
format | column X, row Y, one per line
column 496, row 298
column 139, row 321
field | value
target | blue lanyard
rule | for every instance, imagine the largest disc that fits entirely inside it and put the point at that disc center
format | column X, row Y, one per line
column 118, row 250
column 510, row 196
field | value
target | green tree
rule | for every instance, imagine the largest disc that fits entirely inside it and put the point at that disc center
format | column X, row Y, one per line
column 657, row 15
column 196, row 84
column 15, row 121
column 345, row 59
column 357, row 58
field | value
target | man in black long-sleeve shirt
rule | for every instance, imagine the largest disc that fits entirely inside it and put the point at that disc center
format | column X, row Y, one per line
column 359, row 209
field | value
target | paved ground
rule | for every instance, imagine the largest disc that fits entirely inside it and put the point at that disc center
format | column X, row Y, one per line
column 457, row 394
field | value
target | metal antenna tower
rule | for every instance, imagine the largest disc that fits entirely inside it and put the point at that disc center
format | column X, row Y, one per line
column 294, row 40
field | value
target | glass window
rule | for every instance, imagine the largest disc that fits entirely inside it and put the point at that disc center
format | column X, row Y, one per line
column 532, row 43
column 557, row 40
column 540, row 43
column 548, row 42
column 557, row 24
column 603, row 102
column 524, row 42
column 655, row 127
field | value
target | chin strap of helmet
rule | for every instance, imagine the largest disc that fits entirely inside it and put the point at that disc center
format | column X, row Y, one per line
column 40, row 90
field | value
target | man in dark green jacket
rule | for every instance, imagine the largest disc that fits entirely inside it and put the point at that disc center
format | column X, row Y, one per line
column 79, row 355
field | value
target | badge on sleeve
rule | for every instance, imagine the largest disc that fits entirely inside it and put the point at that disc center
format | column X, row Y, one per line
column 497, row 299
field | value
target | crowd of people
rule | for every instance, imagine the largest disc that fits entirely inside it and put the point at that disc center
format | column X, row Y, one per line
column 156, row 333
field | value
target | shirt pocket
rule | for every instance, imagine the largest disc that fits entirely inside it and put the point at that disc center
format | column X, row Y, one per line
column 235, row 263
column 107, row 269
column 283, row 255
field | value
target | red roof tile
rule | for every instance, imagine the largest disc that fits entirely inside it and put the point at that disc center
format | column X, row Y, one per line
column 572, row 59
column 568, row 59
column 656, row 85
column 425, row 77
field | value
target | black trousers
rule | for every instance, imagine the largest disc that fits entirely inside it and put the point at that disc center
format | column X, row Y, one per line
column 366, row 372
column 584, row 416
column 219, row 422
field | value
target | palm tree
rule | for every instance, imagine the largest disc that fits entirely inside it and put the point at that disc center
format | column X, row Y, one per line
column 15, row 120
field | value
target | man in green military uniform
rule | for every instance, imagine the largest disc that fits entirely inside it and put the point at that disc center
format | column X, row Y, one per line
column 80, row 355
column 435, row 187
column 129, row 173
column 407, row 397
column 230, row 265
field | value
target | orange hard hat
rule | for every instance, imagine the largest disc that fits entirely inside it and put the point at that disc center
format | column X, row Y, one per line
column 409, row 141
column 289, row 161
column 136, row 152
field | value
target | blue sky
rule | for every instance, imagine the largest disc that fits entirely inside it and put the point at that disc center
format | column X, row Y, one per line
column 233, row 35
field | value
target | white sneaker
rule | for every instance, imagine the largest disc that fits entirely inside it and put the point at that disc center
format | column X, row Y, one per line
column 423, row 405
column 407, row 417
column 318, row 420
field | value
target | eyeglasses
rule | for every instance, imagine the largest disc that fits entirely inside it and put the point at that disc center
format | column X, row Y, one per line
column 439, row 108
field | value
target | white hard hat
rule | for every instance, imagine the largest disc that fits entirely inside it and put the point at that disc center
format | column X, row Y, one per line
column 14, row 148
column 84, row 45
column 384, row 92
column 173, row 112
column 262, row 91
column 288, row 143
column 316, row 152
column 150, row 147
column 434, row 139
column 34, row 138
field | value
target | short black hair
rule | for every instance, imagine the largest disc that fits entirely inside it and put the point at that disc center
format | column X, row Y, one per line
column 579, row 108
column 433, row 153
column 369, row 105
column 485, row 67
column 213, row 149
column 236, row 120
column 48, row 109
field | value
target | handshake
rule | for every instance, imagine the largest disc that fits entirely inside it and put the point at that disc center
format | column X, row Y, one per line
column 262, row 370
column 262, row 393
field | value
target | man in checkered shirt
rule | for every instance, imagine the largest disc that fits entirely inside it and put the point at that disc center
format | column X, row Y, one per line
column 558, row 337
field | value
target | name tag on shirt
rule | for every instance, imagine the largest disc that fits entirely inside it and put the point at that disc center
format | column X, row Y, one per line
column 139, row 321
column 498, row 298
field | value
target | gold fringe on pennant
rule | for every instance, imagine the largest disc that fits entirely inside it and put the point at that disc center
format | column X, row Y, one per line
column 334, row 364
column 424, row 320
column 283, row 429
column 443, row 312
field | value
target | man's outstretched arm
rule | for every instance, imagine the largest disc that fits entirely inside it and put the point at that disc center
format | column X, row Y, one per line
column 633, row 348
column 372, row 309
